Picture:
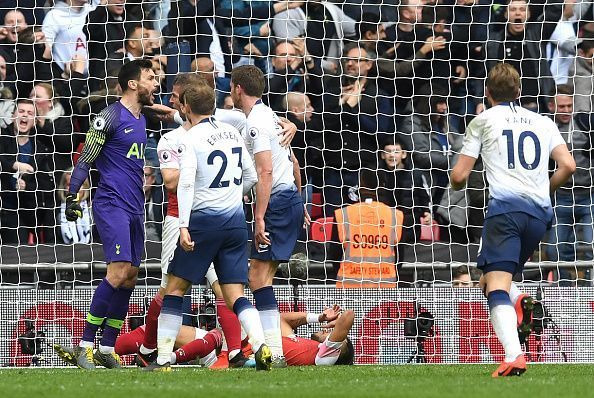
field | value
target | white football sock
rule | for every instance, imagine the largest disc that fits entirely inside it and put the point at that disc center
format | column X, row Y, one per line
column 106, row 349
column 169, row 325
column 250, row 322
column 272, row 332
column 514, row 293
column 145, row 351
column 86, row 344
column 504, row 320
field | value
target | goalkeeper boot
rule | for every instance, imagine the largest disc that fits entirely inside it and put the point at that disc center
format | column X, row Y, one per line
column 279, row 362
column 110, row 360
column 84, row 357
column 144, row 360
column 515, row 368
column 155, row 367
column 65, row 353
column 263, row 358
column 524, row 306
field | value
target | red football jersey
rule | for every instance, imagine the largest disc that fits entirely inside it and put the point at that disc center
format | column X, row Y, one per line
column 299, row 351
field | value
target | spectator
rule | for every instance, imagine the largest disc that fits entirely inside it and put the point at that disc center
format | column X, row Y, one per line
column 434, row 144
column 520, row 44
column 293, row 69
column 6, row 95
column 63, row 29
column 54, row 128
column 401, row 186
column 14, row 23
column 153, row 204
column 105, row 33
column 368, row 233
column 307, row 141
column 561, row 50
column 27, row 180
column 78, row 231
column 356, row 9
column 207, row 69
column 582, row 75
column 464, row 276
column 325, row 36
column 365, row 117
column 574, row 201
column 138, row 44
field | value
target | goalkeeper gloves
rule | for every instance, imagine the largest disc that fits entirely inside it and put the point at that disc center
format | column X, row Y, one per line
column 73, row 209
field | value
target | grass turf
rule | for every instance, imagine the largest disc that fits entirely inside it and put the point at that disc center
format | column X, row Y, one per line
column 416, row 381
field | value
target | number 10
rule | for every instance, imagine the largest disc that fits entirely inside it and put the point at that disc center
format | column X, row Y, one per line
column 511, row 163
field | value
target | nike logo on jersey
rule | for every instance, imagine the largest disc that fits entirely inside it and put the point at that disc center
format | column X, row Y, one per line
column 127, row 131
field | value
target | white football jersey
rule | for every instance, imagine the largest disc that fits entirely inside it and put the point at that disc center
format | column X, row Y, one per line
column 515, row 145
column 169, row 149
column 262, row 134
column 234, row 117
column 215, row 168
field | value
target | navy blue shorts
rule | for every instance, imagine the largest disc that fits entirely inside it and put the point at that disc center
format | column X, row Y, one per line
column 225, row 248
column 509, row 238
column 284, row 225
column 121, row 232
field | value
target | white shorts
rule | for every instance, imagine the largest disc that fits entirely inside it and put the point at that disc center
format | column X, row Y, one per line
column 168, row 246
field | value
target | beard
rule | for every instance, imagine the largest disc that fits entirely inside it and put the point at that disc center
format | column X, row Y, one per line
column 145, row 97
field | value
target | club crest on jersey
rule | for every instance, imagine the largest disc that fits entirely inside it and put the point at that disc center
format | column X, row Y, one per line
column 253, row 132
column 99, row 123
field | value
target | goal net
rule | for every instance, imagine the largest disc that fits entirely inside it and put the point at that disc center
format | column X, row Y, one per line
column 380, row 92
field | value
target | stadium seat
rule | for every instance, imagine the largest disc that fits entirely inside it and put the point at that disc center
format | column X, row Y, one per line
column 317, row 206
column 321, row 229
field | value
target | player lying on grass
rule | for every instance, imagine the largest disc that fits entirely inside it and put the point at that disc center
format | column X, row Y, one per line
column 516, row 146
column 323, row 348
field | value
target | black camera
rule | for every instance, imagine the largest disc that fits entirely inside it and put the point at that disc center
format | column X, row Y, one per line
column 207, row 315
column 32, row 341
column 421, row 324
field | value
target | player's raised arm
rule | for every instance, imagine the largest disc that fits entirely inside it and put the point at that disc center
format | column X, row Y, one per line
column 95, row 140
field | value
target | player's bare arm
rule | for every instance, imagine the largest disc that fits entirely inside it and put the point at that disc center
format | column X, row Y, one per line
column 461, row 171
column 565, row 166
column 292, row 320
column 263, row 162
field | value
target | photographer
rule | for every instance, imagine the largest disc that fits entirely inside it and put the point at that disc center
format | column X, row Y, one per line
column 293, row 70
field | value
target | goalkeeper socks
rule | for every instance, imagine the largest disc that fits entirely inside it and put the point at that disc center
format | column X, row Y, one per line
column 504, row 320
column 118, row 308
column 198, row 348
column 231, row 327
column 514, row 293
column 270, row 317
column 97, row 312
column 152, row 322
column 170, row 322
column 250, row 322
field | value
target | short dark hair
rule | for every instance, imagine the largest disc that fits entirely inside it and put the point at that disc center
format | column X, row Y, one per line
column 369, row 23
column 347, row 354
column 132, row 71
column 201, row 99
column 503, row 83
column 250, row 78
column 131, row 27
column 561, row 89
column 26, row 101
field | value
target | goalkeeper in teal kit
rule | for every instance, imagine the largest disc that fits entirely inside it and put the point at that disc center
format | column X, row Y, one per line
column 115, row 143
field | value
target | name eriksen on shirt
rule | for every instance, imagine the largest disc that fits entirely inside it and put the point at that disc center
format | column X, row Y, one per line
column 224, row 135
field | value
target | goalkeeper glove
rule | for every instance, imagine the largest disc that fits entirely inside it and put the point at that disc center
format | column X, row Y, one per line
column 73, row 209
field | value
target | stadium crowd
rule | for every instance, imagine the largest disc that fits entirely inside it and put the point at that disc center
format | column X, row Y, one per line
column 385, row 86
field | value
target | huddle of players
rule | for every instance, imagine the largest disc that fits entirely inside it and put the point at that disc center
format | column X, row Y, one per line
column 214, row 170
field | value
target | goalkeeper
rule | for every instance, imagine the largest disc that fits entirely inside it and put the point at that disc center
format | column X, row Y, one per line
column 115, row 143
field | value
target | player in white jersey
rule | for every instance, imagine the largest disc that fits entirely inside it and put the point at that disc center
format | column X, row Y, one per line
column 215, row 172
column 169, row 158
column 515, row 145
column 279, row 213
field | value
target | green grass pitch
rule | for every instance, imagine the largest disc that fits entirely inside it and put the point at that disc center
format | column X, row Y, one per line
column 466, row 381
